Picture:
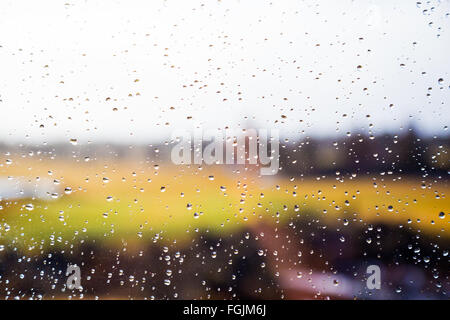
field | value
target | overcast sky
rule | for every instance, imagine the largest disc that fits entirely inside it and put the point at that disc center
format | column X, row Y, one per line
column 133, row 71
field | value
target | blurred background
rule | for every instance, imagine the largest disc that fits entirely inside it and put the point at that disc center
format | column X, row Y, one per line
column 91, row 91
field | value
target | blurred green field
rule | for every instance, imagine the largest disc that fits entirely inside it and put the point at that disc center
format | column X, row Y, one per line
column 137, row 201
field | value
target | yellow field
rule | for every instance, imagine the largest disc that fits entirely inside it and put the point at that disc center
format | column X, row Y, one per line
column 129, row 202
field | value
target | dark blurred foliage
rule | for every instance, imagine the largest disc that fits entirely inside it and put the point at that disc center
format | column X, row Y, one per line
column 232, row 266
column 403, row 154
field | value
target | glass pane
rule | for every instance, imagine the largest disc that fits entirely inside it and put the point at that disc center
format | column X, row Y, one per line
column 224, row 149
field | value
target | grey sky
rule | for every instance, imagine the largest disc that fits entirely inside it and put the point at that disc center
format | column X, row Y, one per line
column 291, row 61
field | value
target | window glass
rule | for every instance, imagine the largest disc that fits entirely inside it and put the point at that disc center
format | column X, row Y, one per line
column 224, row 149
